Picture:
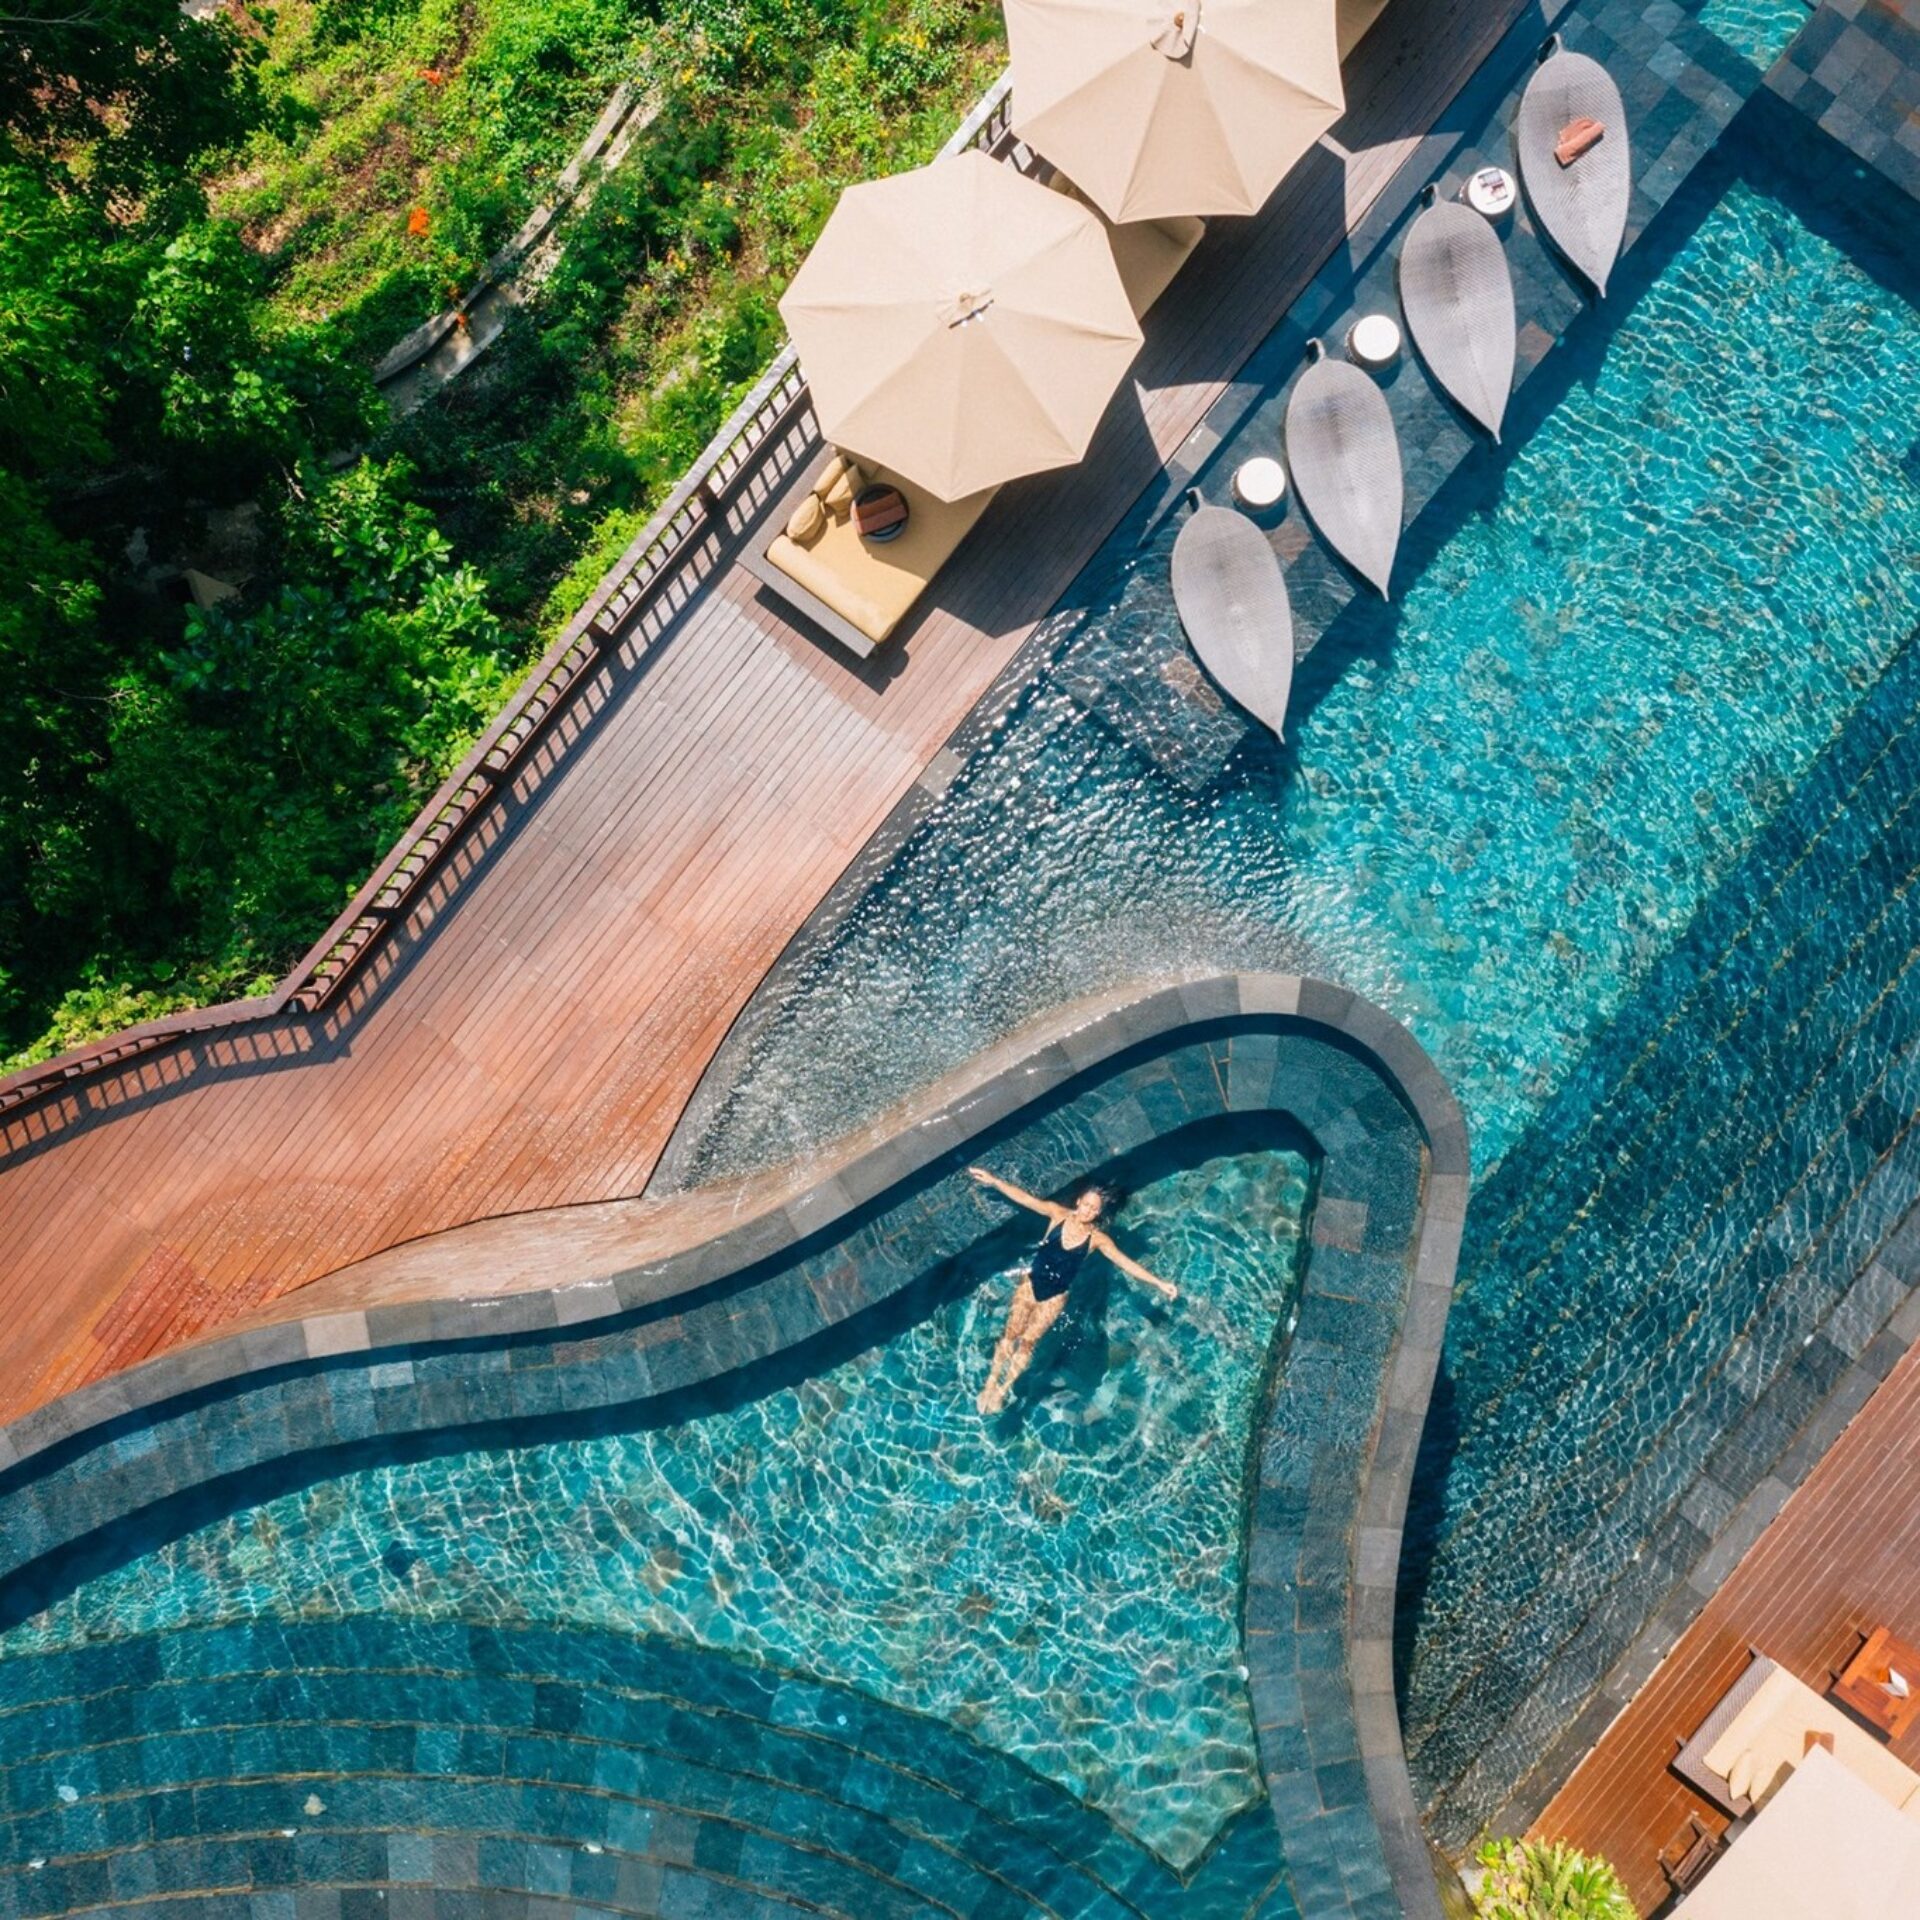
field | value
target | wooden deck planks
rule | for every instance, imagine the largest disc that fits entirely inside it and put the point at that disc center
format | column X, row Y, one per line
column 1841, row 1557
column 552, row 1009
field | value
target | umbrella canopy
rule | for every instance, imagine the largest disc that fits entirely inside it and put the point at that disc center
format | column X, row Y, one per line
column 961, row 325
column 1160, row 107
column 1826, row 1846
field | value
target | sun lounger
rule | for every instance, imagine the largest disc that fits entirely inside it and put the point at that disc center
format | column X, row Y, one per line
column 1345, row 458
column 1458, row 294
column 1232, row 600
column 857, row 591
column 1581, row 201
column 1765, row 1727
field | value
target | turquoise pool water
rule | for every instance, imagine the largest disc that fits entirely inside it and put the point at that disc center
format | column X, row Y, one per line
column 1758, row 30
column 1065, row 1585
column 1504, row 797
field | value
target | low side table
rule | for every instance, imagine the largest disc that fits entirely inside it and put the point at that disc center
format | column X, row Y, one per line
column 1373, row 341
column 1490, row 193
column 1863, row 1683
column 1260, row 483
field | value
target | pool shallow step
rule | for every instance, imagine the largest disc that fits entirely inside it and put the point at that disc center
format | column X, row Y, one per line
column 1670, row 1272
column 622, row 1777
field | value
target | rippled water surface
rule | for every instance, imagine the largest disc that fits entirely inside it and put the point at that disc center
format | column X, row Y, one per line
column 1504, row 797
column 1065, row 1585
column 1759, row 30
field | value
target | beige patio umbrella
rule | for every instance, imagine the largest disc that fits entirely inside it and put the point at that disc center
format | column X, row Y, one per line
column 1161, row 107
column 960, row 325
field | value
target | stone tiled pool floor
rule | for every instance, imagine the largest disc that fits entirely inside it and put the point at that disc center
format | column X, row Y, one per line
column 1064, row 1582
column 302, row 1768
column 1747, row 1125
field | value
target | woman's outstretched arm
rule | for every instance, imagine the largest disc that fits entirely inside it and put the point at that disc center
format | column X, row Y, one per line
column 1128, row 1265
column 1018, row 1195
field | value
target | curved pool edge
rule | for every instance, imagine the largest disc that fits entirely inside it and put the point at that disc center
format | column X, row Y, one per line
column 1375, row 1294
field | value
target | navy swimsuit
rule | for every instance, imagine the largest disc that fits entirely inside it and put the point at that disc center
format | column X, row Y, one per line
column 1055, row 1264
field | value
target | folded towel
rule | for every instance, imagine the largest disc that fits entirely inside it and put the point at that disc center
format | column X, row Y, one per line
column 1577, row 137
column 878, row 509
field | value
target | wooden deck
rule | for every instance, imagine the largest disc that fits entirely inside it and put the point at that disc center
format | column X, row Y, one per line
column 1841, row 1557
column 531, row 1035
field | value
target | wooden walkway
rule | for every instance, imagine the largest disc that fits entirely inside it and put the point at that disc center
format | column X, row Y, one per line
column 531, row 1036
column 1842, row 1557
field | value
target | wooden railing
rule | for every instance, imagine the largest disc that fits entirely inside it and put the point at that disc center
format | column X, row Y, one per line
column 738, row 450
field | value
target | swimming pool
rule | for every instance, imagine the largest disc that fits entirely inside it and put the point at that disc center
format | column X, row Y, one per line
column 1065, row 1584
column 1504, row 796
column 1614, row 807
column 1577, row 868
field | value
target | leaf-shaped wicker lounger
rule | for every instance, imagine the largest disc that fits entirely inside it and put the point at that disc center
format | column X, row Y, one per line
column 1458, row 297
column 1233, row 603
column 1345, row 458
column 1583, row 208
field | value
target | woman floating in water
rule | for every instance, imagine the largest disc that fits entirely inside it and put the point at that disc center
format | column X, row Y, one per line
column 1072, row 1233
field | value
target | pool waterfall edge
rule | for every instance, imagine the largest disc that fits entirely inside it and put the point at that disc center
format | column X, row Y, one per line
column 1392, row 1185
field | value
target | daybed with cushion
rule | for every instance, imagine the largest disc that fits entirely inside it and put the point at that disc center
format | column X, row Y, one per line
column 1749, row 1746
column 858, row 591
column 855, row 589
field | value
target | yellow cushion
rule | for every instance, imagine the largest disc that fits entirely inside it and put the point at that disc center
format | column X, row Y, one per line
column 808, row 521
column 838, row 483
column 873, row 584
column 1740, row 1774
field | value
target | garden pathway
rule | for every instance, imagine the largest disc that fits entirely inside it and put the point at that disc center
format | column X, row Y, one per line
column 533, row 1033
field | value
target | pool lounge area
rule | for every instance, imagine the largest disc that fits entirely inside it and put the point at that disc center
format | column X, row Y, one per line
column 1515, row 1069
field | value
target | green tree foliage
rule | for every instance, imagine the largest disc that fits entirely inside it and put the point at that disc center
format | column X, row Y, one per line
column 280, row 747
column 208, row 240
column 231, row 389
column 1547, row 1880
column 663, row 309
column 124, row 96
column 187, row 797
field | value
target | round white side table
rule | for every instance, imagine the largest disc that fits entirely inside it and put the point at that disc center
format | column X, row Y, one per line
column 1490, row 192
column 1373, row 341
column 1260, row 483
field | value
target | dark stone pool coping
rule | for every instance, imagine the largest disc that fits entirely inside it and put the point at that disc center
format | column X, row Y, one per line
column 1324, row 1533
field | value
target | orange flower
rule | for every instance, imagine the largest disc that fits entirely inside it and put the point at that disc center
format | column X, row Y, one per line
column 417, row 222
column 433, row 76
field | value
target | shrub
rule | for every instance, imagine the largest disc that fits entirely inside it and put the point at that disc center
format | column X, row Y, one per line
column 1547, row 1880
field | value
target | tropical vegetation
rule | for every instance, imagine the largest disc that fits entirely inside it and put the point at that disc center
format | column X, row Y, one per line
column 254, row 619
column 1547, row 1880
